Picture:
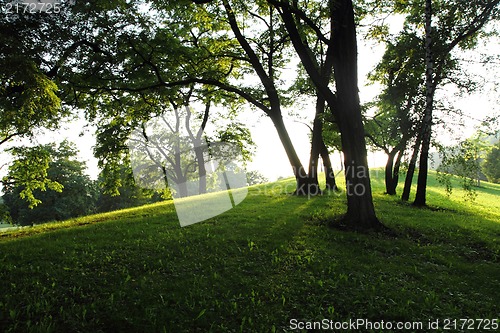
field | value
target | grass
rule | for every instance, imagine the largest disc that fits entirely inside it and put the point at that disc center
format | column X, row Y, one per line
column 254, row 268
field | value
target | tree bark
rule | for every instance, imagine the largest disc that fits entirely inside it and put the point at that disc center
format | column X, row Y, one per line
column 420, row 196
column 392, row 170
column 360, row 209
column 389, row 180
column 331, row 184
column 411, row 169
column 395, row 172
column 297, row 167
column 199, row 145
column 312, row 173
column 316, row 147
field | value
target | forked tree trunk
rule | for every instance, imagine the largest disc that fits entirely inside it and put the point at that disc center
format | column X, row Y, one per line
column 389, row 181
column 397, row 166
column 202, row 171
column 199, row 146
column 318, row 148
column 392, row 171
column 420, row 196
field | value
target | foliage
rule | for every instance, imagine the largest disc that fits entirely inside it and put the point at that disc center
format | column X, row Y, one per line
column 129, row 194
column 450, row 26
column 136, row 269
column 65, row 192
column 463, row 161
column 28, row 173
column 32, row 46
column 255, row 177
column 491, row 166
column 399, row 106
column 4, row 213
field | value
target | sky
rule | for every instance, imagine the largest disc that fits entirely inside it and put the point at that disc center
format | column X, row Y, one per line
column 270, row 158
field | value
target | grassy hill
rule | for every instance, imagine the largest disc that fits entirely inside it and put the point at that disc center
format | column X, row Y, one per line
column 256, row 268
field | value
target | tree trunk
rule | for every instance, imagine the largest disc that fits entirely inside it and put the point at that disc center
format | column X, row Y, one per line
column 312, row 174
column 395, row 172
column 411, row 169
column 298, row 170
column 360, row 209
column 202, row 171
column 274, row 112
column 329, row 173
column 316, row 147
column 420, row 196
column 389, row 180
column 392, row 170
column 199, row 144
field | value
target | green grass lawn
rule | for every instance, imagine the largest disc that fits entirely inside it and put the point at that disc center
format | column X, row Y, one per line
column 255, row 268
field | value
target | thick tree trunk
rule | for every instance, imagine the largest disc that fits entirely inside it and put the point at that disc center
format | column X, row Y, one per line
column 360, row 209
column 183, row 190
column 411, row 169
column 420, row 196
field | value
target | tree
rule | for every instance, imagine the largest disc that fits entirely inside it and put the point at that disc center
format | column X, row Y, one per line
column 264, row 64
column 463, row 161
column 151, row 56
column 459, row 25
column 75, row 195
column 449, row 26
column 255, row 177
column 129, row 193
column 28, row 173
column 28, row 95
column 420, row 196
column 164, row 153
column 398, row 107
column 323, row 126
column 34, row 47
column 491, row 166
column 345, row 103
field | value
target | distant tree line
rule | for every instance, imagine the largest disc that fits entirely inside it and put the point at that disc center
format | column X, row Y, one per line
column 71, row 192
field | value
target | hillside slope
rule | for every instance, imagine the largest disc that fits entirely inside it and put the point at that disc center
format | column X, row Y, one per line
column 263, row 266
